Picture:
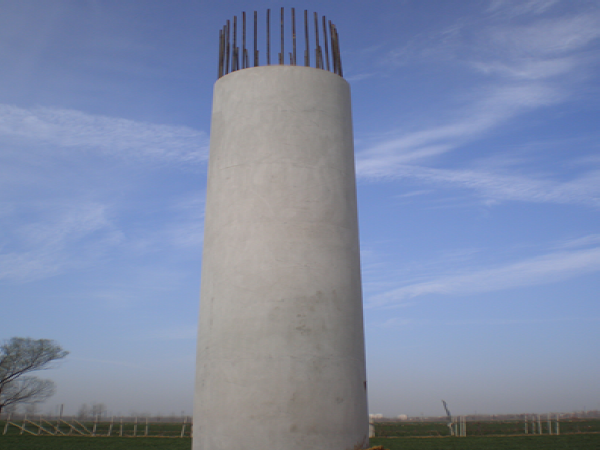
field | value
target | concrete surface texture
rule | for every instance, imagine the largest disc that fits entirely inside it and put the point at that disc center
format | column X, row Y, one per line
column 280, row 361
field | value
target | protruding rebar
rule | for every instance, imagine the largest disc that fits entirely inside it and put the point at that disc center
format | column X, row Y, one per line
column 339, row 56
column 227, row 52
column 244, row 53
column 333, row 52
column 255, row 39
column 325, row 42
column 268, row 37
column 235, row 63
column 318, row 58
column 307, row 51
column 327, row 55
column 282, row 53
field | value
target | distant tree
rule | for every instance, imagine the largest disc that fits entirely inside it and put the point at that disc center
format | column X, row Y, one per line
column 83, row 412
column 20, row 356
column 31, row 409
column 10, row 409
column 98, row 409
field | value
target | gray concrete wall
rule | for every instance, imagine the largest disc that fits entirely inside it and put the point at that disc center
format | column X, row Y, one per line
column 281, row 344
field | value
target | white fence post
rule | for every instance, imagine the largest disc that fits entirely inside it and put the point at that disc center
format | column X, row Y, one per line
column 6, row 425
column 183, row 427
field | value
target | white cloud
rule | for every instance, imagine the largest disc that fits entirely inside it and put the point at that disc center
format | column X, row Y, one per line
column 541, row 49
column 385, row 159
column 548, row 37
column 502, row 187
column 519, row 7
column 544, row 269
column 116, row 137
column 397, row 322
column 537, row 64
column 67, row 240
column 527, row 68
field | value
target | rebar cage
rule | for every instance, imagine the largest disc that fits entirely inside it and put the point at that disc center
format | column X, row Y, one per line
column 232, row 58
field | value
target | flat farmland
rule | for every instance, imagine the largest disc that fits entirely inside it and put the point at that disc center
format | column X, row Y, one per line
column 497, row 435
column 28, row 442
column 566, row 442
column 481, row 428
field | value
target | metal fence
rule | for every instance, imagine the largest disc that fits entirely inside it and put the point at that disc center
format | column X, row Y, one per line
column 115, row 426
column 530, row 424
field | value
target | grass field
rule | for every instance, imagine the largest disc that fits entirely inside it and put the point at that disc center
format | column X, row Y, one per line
column 567, row 442
column 479, row 428
column 28, row 442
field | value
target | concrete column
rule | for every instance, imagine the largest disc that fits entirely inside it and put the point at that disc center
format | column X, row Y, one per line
column 280, row 361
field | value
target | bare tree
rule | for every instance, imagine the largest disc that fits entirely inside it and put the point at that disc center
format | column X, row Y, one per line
column 83, row 412
column 98, row 409
column 10, row 409
column 18, row 357
column 31, row 409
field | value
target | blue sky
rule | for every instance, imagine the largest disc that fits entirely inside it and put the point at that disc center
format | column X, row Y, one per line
column 478, row 164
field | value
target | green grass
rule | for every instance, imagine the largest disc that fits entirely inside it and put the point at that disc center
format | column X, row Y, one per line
column 566, row 442
column 28, row 442
column 480, row 428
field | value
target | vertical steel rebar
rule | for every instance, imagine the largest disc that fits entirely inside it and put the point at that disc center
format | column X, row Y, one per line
column 325, row 42
column 318, row 58
column 244, row 53
column 235, row 63
column 332, row 38
column 255, row 39
column 307, row 51
column 282, row 53
column 227, row 52
column 337, row 43
column 327, row 56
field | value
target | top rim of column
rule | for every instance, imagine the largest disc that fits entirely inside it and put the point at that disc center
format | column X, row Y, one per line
column 326, row 56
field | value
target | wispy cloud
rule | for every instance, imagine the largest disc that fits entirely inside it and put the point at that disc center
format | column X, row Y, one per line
column 397, row 322
column 123, row 138
column 543, row 269
column 382, row 159
column 67, row 240
column 545, row 48
column 529, row 66
column 519, row 7
column 494, row 186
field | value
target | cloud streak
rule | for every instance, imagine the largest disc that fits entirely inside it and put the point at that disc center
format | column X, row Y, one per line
column 527, row 67
column 42, row 249
column 544, row 269
column 117, row 137
column 494, row 186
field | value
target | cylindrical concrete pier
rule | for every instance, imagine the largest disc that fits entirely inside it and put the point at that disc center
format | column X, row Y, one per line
column 281, row 360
